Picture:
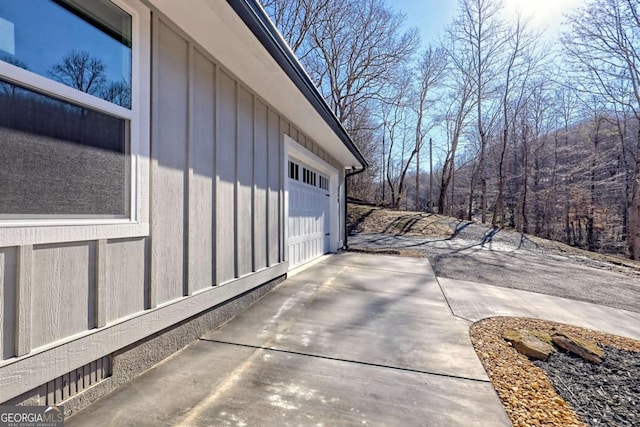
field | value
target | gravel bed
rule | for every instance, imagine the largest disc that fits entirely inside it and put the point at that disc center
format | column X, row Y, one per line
column 602, row 395
column 528, row 393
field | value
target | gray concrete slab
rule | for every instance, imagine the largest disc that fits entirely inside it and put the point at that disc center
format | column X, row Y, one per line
column 475, row 301
column 383, row 262
column 384, row 317
column 354, row 340
column 213, row 384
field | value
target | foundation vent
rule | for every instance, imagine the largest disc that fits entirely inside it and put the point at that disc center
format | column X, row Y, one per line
column 76, row 381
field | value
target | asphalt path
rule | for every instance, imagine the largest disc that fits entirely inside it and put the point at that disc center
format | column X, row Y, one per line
column 481, row 254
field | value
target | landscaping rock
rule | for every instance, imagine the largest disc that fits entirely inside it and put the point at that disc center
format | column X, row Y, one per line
column 585, row 349
column 527, row 343
column 603, row 394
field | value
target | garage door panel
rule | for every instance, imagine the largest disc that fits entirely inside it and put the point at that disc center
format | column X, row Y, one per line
column 308, row 218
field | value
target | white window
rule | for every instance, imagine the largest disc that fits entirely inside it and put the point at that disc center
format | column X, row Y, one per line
column 73, row 81
column 309, row 177
column 324, row 182
column 294, row 171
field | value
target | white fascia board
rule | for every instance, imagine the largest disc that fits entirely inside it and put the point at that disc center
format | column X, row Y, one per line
column 219, row 30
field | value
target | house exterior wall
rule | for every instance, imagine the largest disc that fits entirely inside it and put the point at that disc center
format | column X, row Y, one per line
column 216, row 213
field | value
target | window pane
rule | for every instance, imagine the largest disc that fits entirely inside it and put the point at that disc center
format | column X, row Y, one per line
column 85, row 44
column 59, row 159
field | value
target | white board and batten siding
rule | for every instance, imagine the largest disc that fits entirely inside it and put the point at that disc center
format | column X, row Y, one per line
column 216, row 227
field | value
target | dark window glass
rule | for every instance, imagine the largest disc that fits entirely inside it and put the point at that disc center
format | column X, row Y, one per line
column 59, row 159
column 82, row 44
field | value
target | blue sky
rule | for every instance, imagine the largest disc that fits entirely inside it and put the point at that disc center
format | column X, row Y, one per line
column 431, row 16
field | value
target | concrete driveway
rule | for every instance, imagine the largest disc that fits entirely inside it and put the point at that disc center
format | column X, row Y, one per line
column 354, row 340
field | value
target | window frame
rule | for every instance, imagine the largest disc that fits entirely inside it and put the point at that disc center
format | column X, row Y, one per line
column 15, row 232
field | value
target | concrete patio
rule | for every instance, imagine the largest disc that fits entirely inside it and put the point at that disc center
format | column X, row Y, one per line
column 353, row 340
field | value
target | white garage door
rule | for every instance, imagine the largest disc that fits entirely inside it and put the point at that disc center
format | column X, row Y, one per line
column 309, row 222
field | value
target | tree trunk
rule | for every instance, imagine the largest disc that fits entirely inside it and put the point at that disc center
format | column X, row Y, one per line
column 567, row 190
column 634, row 207
column 418, row 206
column 591, row 238
column 430, row 175
column 525, row 184
column 472, row 190
column 483, row 177
column 498, row 213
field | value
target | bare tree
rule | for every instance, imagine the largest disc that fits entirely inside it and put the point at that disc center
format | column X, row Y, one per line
column 604, row 46
column 395, row 113
column 431, row 71
column 521, row 60
column 455, row 122
column 353, row 51
column 295, row 19
column 82, row 71
column 117, row 92
column 357, row 51
column 480, row 31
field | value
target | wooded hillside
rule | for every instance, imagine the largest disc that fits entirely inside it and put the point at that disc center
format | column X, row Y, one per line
column 492, row 121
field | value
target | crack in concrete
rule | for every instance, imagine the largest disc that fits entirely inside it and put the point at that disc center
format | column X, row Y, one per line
column 376, row 365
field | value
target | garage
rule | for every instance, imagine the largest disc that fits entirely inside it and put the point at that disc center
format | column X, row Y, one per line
column 309, row 213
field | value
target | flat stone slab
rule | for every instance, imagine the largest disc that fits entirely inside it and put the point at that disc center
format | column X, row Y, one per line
column 529, row 344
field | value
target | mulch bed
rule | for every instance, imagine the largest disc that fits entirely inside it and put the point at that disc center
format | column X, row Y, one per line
column 564, row 391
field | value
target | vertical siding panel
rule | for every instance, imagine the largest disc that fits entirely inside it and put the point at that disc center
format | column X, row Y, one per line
column 260, row 167
column 63, row 290
column 201, row 188
column 8, row 302
column 125, row 278
column 274, row 187
column 245, row 181
column 169, row 154
column 285, row 126
column 281, row 204
column 302, row 140
column 24, row 303
column 101, row 283
column 226, row 167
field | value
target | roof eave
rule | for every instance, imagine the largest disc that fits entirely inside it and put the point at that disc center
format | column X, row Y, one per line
column 256, row 19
